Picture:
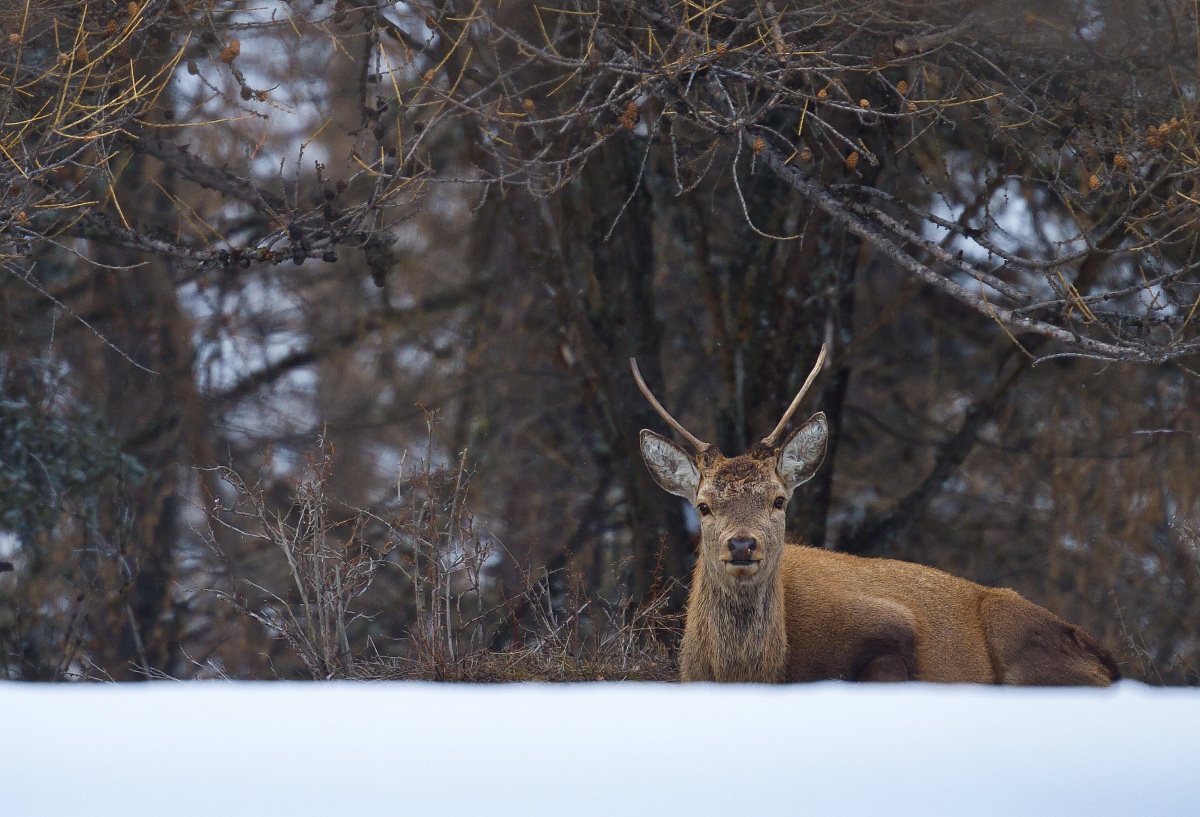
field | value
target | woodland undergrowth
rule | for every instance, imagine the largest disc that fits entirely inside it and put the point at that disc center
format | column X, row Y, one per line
column 338, row 566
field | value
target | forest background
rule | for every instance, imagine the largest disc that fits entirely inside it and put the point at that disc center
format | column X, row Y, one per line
column 316, row 318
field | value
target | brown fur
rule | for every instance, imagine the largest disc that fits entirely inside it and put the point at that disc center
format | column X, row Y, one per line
column 804, row 614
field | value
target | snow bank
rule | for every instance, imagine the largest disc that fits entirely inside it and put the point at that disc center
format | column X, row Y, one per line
column 220, row 749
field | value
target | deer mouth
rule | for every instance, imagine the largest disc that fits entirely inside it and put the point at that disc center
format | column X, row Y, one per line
column 742, row 568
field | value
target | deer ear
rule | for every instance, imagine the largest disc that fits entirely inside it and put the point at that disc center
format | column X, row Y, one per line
column 801, row 455
column 670, row 465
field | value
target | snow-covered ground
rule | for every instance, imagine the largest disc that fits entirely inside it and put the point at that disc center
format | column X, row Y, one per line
column 357, row 749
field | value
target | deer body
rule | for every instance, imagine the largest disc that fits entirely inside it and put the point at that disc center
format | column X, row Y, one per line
column 835, row 616
column 761, row 610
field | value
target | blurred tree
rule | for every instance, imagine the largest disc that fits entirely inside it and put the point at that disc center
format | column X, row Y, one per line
column 223, row 229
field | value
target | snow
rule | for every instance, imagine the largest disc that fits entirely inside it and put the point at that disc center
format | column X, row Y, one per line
column 346, row 748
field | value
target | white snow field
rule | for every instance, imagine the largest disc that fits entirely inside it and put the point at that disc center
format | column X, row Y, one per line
column 218, row 748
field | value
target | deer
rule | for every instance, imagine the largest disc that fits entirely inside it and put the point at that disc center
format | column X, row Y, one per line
column 762, row 610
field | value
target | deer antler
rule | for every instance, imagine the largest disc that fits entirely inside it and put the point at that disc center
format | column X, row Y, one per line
column 771, row 438
column 696, row 442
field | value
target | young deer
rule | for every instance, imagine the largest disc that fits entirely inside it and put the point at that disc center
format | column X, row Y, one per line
column 764, row 610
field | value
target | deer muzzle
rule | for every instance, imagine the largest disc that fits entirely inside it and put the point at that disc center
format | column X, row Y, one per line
column 743, row 550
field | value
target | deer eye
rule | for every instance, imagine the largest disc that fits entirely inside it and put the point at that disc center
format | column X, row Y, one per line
column 780, row 502
column 704, row 509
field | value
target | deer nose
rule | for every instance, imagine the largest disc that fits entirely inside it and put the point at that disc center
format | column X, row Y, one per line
column 740, row 548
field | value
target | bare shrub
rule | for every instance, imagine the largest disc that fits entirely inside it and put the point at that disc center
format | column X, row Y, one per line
column 328, row 562
column 461, row 626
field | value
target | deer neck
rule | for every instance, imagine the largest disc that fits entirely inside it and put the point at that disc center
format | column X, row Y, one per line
column 742, row 627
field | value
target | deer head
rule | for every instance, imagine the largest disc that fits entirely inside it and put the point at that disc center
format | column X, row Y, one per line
column 740, row 500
